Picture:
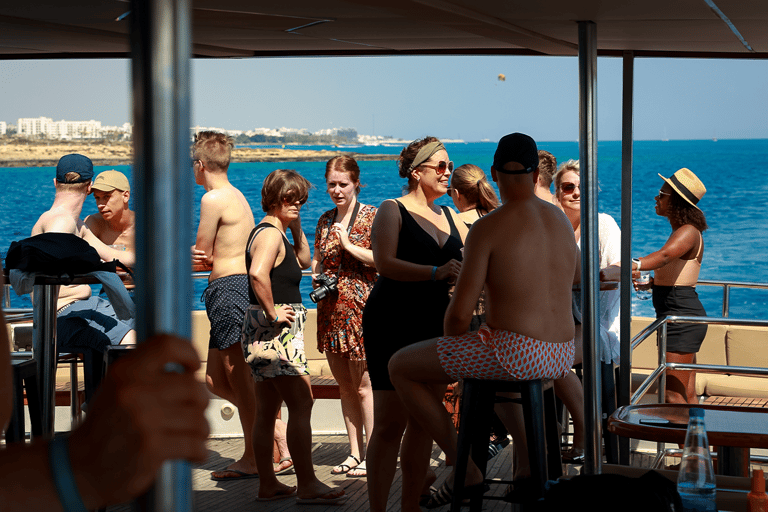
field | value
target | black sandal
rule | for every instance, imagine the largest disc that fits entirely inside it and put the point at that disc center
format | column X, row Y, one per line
column 444, row 495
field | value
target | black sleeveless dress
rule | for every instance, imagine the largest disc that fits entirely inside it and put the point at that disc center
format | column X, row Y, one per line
column 400, row 313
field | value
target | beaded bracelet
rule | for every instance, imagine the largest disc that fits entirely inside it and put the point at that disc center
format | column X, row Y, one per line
column 434, row 271
column 63, row 479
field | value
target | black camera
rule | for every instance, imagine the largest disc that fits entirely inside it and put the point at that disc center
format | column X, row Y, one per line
column 327, row 285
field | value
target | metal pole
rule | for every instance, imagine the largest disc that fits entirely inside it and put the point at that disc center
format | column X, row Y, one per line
column 44, row 351
column 625, row 332
column 590, row 272
column 160, row 44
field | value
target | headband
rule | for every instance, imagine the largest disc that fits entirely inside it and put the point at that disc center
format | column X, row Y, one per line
column 425, row 153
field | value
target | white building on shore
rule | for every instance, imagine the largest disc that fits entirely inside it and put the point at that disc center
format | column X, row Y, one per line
column 3, row 127
column 48, row 128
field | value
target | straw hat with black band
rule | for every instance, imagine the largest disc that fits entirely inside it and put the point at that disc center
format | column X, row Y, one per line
column 687, row 185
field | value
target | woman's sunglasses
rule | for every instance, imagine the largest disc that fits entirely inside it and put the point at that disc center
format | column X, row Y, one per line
column 568, row 187
column 440, row 167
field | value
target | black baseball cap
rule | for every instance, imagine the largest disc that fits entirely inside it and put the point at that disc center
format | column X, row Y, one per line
column 516, row 147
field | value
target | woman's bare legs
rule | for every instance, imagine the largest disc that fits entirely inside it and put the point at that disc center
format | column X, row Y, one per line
column 356, row 400
column 681, row 384
column 389, row 421
column 418, row 378
column 297, row 393
column 570, row 390
column 268, row 402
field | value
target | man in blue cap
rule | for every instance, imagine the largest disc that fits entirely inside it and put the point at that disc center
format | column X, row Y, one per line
column 83, row 321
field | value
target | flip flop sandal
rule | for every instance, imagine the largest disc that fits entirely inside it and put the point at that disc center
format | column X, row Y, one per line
column 238, row 475
column 344, row 467
column 359, row 467
column 285, row 469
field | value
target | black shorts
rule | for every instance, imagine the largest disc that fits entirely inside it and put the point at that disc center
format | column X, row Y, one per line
column 680, row 301
column 226, row 300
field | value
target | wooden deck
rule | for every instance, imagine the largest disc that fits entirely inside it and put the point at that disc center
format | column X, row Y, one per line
column 328, row 451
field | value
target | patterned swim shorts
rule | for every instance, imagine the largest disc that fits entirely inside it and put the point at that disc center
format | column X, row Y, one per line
column 226, row 300
column 495, row 354
column 274, row 350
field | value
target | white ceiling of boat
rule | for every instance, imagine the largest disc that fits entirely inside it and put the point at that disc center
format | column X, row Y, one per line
column 243, row 28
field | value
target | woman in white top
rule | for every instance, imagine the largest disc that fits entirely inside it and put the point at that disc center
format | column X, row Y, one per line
column 569, row 389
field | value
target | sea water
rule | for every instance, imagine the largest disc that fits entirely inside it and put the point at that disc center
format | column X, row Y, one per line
column 734, row 245
column 698, row 498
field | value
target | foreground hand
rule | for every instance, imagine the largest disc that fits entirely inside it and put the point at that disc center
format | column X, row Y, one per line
column 141, row 416
column 449, row 271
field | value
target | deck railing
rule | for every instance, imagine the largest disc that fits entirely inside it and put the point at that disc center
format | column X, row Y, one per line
column 659, row 326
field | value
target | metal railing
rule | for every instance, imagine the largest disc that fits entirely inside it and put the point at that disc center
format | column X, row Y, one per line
column 727, row 285
column 659, row 326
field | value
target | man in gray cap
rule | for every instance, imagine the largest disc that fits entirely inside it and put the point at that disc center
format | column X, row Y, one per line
column 115, row 223
column 524, row 256
column 83, row 320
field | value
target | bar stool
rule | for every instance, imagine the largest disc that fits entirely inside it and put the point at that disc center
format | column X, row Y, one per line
column 478, row 399
column 24, row 377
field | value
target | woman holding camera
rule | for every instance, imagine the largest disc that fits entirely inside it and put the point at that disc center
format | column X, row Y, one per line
column 273, row 338
column 343, row 275
column 417, row 249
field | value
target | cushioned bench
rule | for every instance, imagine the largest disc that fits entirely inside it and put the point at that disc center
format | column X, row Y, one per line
column 724, row 345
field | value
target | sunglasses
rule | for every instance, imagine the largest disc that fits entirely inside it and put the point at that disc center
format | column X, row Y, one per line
column 662, row 194
column 192, row 163
column 569, row 187
column 440, row 167
column 291, row 201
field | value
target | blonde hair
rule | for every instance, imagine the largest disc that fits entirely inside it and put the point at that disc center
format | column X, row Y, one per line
column 567, row 166
column 471, row 181
column 214, row 149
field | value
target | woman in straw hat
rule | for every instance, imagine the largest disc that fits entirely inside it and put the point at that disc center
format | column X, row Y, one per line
column 676, row 269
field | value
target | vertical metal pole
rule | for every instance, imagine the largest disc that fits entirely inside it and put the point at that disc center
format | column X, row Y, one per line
column 161, row 41
column 726, row 300
column 625, row 332
column 44, row 350
column 590, row 272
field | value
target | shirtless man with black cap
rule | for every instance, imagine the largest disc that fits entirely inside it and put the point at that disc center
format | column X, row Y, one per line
column 524, row 255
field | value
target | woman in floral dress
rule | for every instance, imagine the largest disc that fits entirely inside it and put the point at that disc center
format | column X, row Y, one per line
column 343, row 252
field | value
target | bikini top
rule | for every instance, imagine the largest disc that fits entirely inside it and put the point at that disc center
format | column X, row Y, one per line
column 680, row 272
column 285, row 278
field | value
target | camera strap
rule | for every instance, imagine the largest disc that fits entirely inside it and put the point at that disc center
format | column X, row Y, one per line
column 352, row 219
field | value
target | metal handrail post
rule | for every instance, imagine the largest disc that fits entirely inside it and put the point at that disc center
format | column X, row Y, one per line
column 625, row 297
column 161, row 49
column 726, row 300
column 590, row 272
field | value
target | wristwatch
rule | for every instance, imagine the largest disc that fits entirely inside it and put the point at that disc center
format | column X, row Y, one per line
column 637, row 262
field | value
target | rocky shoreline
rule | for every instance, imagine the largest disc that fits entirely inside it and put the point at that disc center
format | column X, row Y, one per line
column 46, row 154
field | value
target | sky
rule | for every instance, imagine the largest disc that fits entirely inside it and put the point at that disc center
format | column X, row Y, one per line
column 456, row 97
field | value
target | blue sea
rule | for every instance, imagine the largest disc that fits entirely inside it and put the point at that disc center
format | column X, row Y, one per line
column 732, row 170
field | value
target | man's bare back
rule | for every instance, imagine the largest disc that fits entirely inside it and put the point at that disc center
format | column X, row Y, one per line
column 523, row 254
column 532, row 264
column 226, row 221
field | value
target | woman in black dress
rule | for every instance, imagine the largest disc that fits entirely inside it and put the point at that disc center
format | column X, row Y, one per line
column 417, row 251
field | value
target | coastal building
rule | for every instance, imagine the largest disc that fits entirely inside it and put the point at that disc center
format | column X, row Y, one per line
column 3, row 127
column 48, row 128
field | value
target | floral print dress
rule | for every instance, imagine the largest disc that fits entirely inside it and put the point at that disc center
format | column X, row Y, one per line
column 340, row 314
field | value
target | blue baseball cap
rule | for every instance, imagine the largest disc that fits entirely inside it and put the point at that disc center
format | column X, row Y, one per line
column 80, row 164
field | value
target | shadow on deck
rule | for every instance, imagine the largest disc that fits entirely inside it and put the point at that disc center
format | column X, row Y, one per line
column 328, row 451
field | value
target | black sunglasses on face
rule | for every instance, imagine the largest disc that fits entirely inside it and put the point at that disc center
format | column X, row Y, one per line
column 569, row 187
column 440, row 167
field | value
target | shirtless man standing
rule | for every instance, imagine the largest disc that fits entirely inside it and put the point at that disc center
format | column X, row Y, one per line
column 226, row 220
column 525, row 310
column 77, row 310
